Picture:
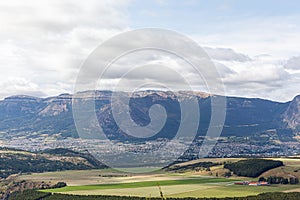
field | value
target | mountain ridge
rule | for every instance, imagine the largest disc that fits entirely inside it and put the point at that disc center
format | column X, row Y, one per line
column 23, row 114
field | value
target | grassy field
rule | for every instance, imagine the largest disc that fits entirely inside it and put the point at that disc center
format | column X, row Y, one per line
column 187, row 184
column 142, row 184
column 232, row 191
column 205, row 187
column 102, row 176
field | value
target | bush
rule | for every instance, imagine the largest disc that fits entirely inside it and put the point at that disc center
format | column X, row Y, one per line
column 262, row 179
column 59, row 185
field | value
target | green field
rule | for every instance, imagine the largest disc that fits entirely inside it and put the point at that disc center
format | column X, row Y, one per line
column 141, row 184
column 191, row 183
column 198, row 187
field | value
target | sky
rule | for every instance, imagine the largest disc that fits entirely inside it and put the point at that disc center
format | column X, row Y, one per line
column 254, row 44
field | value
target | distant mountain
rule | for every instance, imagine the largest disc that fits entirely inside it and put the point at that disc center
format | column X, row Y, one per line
column 31, row 116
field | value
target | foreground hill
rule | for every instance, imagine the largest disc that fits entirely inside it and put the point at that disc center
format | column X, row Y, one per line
column 31, row 116
column 252, row 167
column 17, row 161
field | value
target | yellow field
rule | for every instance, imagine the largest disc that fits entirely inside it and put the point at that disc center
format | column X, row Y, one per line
column 146, row 191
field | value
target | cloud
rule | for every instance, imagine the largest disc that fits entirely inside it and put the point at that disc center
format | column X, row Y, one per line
column 262, row 77
column 226, row 54
column 269, row 42
column 19, row 85
column 45, row 42
column 275, row 35
column 148, row 67
column 293, row 63
column 223, row 70
column 162, row 65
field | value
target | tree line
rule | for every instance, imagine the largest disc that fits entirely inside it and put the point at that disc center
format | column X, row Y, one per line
column 35, row 195
column 280, row 180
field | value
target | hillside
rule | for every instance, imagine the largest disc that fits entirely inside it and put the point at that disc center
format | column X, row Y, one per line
column 252, row 167
column 16, row 161
column 241, row 167
column 30, row 117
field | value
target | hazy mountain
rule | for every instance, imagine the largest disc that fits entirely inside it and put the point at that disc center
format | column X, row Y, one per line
column 30, row 116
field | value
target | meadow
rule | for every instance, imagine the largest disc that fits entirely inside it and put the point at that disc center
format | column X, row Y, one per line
column 187, row 184
column 198, row 187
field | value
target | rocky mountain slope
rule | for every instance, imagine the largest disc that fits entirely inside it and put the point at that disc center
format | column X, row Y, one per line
column 30, row 116
column 292, row 115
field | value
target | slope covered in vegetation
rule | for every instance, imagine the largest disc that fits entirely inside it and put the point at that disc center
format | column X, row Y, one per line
column 16, row 161
column 252, row 167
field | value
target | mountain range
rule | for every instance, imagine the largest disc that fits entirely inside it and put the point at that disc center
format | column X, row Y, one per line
column 31, row 116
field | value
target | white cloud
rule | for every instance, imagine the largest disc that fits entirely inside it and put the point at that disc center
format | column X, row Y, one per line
column 275, row 35
column 226, row 54
column 46, row 41
column 150, row 67
column 43, row 43
column 293, row 63
column 262, row 77
column 19, row 85
column 270, row 43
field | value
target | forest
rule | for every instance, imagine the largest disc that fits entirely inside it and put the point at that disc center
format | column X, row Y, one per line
column 252, row 167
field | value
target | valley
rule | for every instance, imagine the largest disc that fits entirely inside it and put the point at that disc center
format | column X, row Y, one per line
column 36, row 131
